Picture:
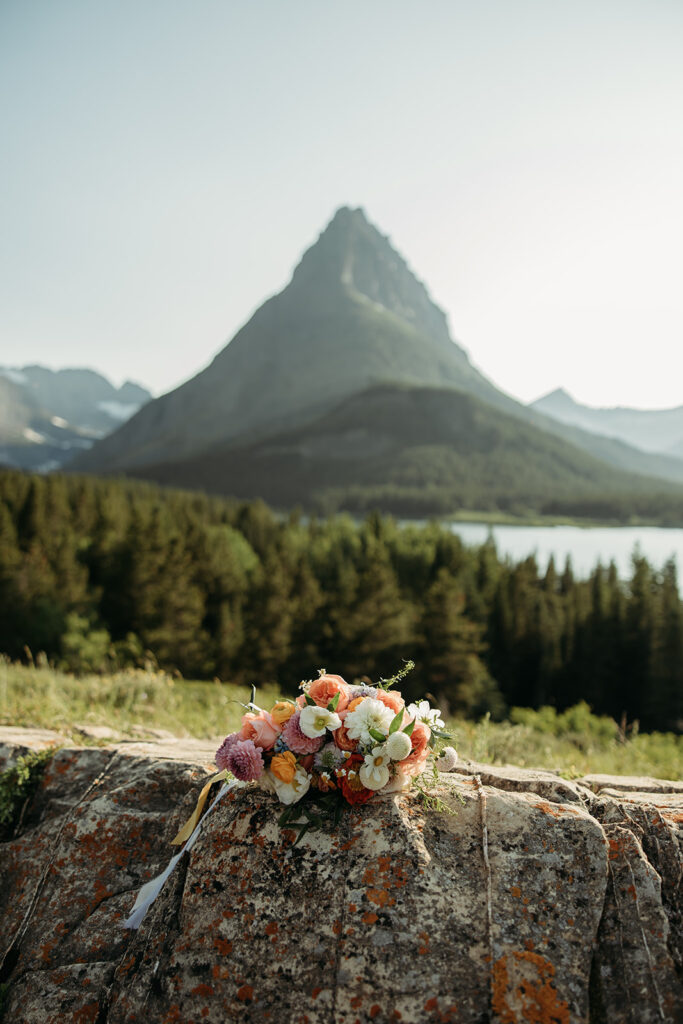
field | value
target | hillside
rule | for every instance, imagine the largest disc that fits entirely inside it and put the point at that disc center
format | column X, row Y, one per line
column 407, row 450
column 651, row 430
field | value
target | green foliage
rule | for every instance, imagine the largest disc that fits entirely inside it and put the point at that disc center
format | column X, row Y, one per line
column 102, row 576
column 18, row 783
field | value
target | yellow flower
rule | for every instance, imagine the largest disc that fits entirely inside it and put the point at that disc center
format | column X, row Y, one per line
column 282, row 711
column 355, row 703
column 283, row 766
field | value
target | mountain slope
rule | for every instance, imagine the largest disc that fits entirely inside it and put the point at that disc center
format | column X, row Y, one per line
column 47, row 415
column 651, row 430
column 408, row 450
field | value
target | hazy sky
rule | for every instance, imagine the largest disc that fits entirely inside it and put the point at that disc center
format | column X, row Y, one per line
column 164, row 163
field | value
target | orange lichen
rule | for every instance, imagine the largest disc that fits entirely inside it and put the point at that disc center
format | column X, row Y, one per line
column 245, row 993
column 381, row 897
column 516, row 891
column 374, row 1010
column 202, row 990
column 224, row 946
column 370, row 917
column 534, row 997
column 315, row 993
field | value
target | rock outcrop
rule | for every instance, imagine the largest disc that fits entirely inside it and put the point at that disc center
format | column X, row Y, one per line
column 533, row 900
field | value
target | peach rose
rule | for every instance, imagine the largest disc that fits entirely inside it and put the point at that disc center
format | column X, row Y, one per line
column 260, row 728
column 326, row 688
column 418, row 756
column 341, row 737
column 392, row 699
column 282, row 711
column 307, row 761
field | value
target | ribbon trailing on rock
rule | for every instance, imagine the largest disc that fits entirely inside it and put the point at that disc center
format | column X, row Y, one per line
column 190, row 831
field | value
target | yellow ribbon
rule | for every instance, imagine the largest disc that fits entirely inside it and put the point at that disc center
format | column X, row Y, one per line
column 191, row 823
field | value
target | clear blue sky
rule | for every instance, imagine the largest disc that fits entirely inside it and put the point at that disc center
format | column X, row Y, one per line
column 165, row 162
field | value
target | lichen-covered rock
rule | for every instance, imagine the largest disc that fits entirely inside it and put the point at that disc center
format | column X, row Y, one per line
column 526, row 903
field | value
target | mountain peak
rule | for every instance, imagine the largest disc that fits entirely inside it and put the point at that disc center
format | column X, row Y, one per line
column 351, row 258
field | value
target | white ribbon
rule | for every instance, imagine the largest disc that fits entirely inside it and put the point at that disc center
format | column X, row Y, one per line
column 150, row 890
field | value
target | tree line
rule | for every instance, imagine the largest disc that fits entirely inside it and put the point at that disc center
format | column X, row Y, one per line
column 102, row 574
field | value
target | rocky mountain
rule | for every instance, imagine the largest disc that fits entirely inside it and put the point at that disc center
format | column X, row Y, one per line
column 651, row 430
column 410, row 451
column 46, row 416
column 353, row 318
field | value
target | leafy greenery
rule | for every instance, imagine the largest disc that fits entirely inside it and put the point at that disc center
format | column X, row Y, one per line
column 121, row 578
column 18, row 783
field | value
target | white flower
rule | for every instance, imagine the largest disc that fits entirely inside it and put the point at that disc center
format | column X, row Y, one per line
column 370, row 714
column 291, row 792
column 374, row 772
column 423, row 712
column 399, row 783
column 448, row 759
column 398, row 746
column 313, row 721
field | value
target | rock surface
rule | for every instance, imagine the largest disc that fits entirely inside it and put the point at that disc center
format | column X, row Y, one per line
column 536, row 901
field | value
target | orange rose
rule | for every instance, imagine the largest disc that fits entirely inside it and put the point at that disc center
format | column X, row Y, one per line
column 326, row 688
column 282, row 711
column 341, row 738
column 283, row 766
column 418, row 756
column 259, row 728
column 392, row 699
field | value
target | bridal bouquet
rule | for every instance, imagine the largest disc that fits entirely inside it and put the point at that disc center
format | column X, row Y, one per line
column 344, row 741
column 336, row 744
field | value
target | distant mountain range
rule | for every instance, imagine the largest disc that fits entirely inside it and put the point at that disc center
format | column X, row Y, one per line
column 654, row 430
column 46, row 416
column 346, row 387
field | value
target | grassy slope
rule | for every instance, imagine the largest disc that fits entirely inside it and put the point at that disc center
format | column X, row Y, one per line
column 574, row 743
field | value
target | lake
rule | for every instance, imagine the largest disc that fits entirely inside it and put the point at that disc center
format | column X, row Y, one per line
column 585, row 545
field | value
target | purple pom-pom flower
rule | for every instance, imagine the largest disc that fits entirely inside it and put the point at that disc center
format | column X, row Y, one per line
column 245, row 761
column 223, row 752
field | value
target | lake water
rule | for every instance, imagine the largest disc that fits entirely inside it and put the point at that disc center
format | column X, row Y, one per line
column 586, row 546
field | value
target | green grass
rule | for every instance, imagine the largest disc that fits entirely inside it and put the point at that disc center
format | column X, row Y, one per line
column 573, row 743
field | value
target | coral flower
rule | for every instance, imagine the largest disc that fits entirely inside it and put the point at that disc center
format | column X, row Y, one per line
column 352, row 788
column 415, row 762
column 326, row 688
column 392, row 699
column 261, row 729
column 341, row 738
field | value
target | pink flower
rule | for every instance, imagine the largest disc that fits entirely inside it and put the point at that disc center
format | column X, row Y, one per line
column 261, row 729
column 226, row 746
column 295, row 739
column 245, row 761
